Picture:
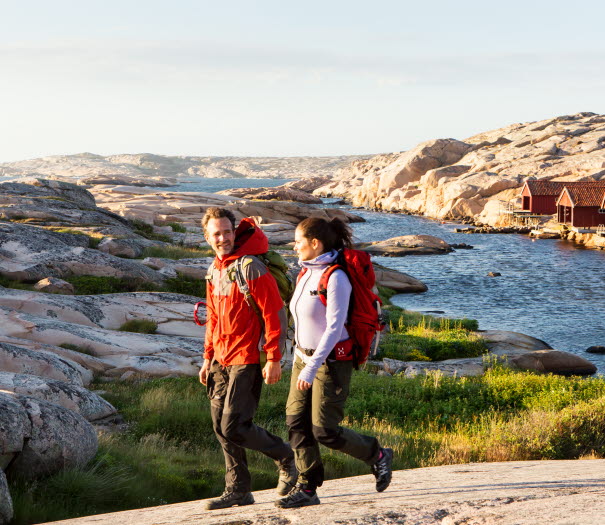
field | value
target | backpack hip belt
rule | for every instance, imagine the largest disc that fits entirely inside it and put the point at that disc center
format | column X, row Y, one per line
column 341, row 352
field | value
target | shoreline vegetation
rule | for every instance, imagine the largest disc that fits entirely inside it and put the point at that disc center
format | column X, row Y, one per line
column 167, row 453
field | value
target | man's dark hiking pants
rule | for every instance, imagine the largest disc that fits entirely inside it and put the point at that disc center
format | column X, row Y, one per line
column 313, row 416
column 234, row 392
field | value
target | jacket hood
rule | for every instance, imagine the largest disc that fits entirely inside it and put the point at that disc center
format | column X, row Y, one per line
column 321, row 261
column 249, row 240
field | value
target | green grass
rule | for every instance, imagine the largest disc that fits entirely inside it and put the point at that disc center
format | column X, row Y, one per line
column 16, row 285
column 76, row 348
column 146, row 230
column 139, row 326
column 95, row 285
column 415, row 337
column 177, row 227
column 170, row 454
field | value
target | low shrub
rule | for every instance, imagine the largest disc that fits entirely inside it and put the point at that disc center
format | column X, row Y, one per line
column 177, row 227
column 139, row 326
column 146, row 230
column 77, row 348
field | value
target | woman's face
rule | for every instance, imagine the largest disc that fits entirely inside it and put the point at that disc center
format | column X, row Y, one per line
column 307, row 249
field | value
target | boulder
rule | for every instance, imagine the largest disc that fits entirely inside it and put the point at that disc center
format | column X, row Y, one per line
column 54, row 285
column 554, row 362
column 72, row 397
column 281, row 193
column 21, row 360
column 196, row 268
column 60, row 439
column 596, row 349
column 15, row 428
column 129, row 248
column 505, row 343
column 31, row 253
column 407, row 245
column 398, row 281
column 53, row 202
column 6, row 504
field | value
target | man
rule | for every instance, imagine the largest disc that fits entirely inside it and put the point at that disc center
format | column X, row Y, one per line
column 232, row 372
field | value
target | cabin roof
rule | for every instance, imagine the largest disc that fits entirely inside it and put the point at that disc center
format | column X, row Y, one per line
column 545, row 187
column 585, row 194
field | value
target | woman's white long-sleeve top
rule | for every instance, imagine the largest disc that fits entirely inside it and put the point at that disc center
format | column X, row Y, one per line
column 317, row 326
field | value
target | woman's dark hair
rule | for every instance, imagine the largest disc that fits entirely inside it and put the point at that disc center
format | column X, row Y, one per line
column 333, row 234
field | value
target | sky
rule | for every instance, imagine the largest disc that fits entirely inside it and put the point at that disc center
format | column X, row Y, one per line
column 280, row 78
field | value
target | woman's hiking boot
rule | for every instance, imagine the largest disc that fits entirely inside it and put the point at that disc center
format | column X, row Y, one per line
column 288, row 475
column 230, row 499
column 383, row 469
column 299, row 496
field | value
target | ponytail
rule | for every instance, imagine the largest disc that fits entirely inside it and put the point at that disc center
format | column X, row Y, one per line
column 334, row 234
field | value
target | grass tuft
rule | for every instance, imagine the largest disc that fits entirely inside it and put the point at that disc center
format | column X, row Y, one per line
column 139, row 326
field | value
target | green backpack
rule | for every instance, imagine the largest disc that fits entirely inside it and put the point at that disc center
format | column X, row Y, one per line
column 278, row 268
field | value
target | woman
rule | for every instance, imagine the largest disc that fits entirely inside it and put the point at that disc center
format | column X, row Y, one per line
column 320, row 385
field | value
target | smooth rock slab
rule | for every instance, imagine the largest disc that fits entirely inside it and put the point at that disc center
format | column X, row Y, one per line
column 513, row 493
column 30, row 254
column 110, row 310
column 60, row 439
column 21, row 360
column 180, row 355
column 6, row 504
column 71, row 397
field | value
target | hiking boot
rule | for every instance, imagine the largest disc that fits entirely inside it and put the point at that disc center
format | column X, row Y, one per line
column 383, row 469
column 287, row 477
column 230, row 499
column 299, row 497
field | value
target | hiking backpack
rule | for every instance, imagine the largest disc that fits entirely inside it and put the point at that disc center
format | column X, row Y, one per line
column 364, row 319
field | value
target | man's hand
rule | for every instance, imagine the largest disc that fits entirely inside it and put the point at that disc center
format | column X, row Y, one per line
column 204, row 372
column 272, row 372
column 302, row 385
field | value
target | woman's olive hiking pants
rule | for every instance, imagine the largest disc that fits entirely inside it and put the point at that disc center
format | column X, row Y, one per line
column 313, row 416
column 234, row 392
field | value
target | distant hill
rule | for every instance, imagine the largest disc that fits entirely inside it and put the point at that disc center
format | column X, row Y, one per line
column 145, row 169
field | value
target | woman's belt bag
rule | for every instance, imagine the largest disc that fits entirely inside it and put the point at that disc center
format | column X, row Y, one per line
column 343, row 351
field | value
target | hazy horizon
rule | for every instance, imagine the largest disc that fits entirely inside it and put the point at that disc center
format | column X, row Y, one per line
column 273, row 79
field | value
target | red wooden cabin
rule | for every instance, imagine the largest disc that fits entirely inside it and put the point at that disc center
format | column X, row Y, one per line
column 581, row 204
column 540, row 196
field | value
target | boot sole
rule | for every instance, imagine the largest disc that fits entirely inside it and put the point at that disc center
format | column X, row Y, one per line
column 279, row 505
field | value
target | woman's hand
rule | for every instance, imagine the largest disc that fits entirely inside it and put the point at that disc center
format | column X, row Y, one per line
column 302, row 385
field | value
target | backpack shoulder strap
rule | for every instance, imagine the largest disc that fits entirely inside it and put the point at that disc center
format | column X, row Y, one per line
column 322, row 287
column 242, row 284
column 302, row 272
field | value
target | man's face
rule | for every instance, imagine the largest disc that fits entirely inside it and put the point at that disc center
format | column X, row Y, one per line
column 220, row 236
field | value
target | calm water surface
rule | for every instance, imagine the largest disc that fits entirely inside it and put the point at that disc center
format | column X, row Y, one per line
column 549, row 289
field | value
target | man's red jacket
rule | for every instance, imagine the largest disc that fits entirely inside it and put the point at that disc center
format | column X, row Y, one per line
column 234, row 330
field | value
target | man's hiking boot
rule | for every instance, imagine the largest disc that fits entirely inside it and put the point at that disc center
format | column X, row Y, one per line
column 287, row 477
column 299, row 496
column 383, row 469
column 230, row 499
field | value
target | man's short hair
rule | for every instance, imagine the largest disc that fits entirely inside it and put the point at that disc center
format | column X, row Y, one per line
column 217, row 213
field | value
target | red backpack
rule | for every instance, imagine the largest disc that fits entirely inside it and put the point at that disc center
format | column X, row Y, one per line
column 364, row 320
